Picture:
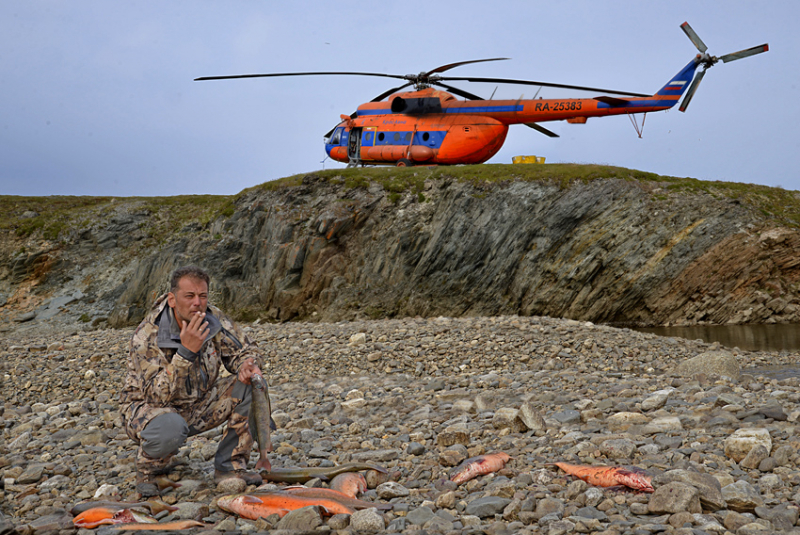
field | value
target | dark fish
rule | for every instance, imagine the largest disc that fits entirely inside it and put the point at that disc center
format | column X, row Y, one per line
column 175, row 525
column 302, row 474
column 155, row 506
column 261, row 416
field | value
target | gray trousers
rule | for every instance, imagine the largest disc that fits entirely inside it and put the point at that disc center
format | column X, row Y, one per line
column 166, row 433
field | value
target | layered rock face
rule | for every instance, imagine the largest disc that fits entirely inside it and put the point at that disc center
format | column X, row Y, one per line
column 609, row 250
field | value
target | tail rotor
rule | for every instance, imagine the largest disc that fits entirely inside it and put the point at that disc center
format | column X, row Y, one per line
column 707, row 61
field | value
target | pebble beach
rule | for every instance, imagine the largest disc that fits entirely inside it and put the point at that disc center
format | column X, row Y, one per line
column 418, row 396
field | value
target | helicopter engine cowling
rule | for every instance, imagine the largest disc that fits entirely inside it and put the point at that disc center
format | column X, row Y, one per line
column 416, row 106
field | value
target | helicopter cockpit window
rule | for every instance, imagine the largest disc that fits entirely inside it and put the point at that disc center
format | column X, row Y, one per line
column 336, row 138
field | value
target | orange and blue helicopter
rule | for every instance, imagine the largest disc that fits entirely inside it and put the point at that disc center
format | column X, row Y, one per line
column 428, row 126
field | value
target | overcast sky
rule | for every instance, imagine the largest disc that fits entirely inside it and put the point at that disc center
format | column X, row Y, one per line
column 98, row 97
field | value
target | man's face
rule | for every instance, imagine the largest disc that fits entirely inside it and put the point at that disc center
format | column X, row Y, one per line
column 190, row 298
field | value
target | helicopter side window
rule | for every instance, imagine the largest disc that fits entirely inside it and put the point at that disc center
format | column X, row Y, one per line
column 336, row 139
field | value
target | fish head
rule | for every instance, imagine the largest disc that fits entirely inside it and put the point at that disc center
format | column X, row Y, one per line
column 636, row 478
column 505, row 457
column 226, row 502
column 232, row 502
column 94, row 517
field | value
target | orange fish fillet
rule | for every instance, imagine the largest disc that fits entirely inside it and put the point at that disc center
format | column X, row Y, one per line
column 255, row 506
column 99, row 516
column 331, row 494
column 478, row 466
column 611, row 476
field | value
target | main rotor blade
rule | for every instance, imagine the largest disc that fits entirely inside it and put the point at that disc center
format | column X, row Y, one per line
column 701, row 46
column 452, row 65
column 390, row 91
column 543, row 84
column 541, row 129
column 459, row 92
column 383, row 75
column 745, row 53
column 692, row 89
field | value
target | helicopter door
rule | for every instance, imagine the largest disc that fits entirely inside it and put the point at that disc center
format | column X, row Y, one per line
column 354, row 147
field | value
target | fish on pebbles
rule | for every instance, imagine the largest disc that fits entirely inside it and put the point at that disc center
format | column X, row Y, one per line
column 478, row 466
column 100, row 516
column 174, row 525
column 332, row 494
column 154, row 506
column 301, row 474
column 262, row 505
column 611, row 476
column 350, row 483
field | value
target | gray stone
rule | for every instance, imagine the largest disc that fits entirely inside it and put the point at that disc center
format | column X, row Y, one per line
column 532, row 418
column 742, row 496
column 487, row 506
column 775, row 412
column 783, row 517
column 415, row 448
column 55, row 482
column 53, row 522
column 375, row 455
column 739, row 444
column 621, row 448
column 231, row 485
column 508, row 418
column 754, row 457
column 560, row 527
column 32, row 474
column 549, row 506
column 26, row 316
column 438, row 525
column 567, row 417
column 191, row 510
column 675, row 497
column 368, row 520
column 391, row 489
column 303, row 519
column 591, row 512
column 420, row 515
column 707, row 485
column 454, row 434
column 656, row 400
column 711, row 363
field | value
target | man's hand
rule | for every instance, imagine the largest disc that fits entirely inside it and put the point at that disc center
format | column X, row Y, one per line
column 194, row 333
column 247, row 370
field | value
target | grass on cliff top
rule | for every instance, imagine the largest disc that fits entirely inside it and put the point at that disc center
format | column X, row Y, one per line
column 772, row 203
column 52, row 215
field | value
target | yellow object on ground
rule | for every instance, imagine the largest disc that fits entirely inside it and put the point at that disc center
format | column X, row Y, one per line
column 528, row 159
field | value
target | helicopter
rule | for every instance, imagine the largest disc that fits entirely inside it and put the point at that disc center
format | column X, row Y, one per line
column 429, row 126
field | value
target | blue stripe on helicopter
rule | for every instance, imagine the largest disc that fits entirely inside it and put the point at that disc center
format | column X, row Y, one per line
column 486, row 109
column 470, row 109
column 642, row 104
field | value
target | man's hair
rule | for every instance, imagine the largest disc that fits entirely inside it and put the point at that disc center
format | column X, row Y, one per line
column 188, row 271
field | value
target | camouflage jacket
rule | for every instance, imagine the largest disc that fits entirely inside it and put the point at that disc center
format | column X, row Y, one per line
column 161, row 377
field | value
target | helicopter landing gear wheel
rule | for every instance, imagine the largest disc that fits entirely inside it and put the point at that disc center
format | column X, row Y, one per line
column 404, row 162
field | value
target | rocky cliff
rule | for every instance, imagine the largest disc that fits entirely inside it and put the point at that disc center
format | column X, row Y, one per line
column 591, row 243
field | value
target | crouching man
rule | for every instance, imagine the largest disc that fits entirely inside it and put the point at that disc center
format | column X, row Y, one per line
column 173, row 387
